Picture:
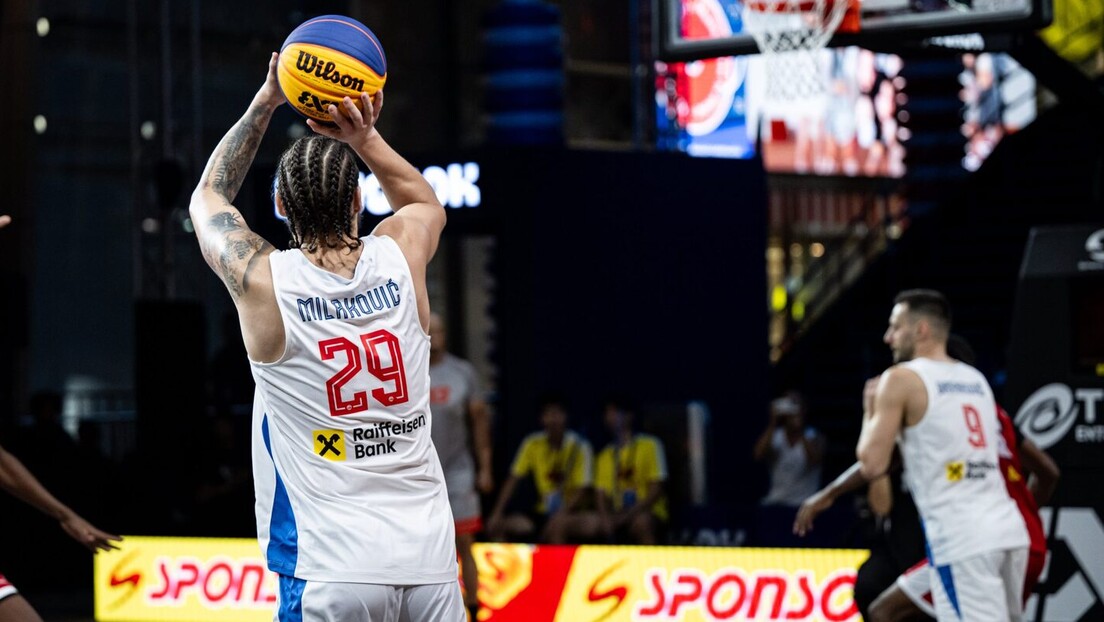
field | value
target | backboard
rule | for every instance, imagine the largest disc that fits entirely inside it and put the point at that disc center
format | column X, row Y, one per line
column 688, row 30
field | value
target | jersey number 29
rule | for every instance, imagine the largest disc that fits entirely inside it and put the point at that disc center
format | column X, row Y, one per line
column 387, row 369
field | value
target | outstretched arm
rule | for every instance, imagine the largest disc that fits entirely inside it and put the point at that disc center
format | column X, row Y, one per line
column 419, row 217
column 817, row 503
column 229, row 246
column 408, row 193
column 17, row 480
column 849, row 481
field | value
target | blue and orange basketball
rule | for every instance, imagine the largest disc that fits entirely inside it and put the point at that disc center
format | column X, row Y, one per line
column 326, row 58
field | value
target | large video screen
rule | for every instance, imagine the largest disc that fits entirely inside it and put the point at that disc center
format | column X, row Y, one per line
column 721, row 107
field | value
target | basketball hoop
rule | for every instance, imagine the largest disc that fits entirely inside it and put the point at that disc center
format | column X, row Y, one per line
column 790, row 33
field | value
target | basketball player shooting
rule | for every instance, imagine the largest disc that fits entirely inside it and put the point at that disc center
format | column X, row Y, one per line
column 352, row 511
column 942, row 413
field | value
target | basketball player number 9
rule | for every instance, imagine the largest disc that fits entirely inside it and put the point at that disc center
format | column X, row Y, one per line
column 973, row 424
column 374, row 344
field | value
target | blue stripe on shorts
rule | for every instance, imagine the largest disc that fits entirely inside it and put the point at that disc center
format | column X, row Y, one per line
column 948, row 586
column 291, row 599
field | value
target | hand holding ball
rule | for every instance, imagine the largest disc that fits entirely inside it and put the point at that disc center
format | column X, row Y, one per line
column 326, row 59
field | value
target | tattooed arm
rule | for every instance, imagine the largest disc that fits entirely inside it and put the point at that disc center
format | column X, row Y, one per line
column 236, row 254
column 231, row 249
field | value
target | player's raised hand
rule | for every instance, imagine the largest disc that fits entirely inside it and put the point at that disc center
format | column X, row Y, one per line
column 5, row 220
column 351, row 126
column 270, row 94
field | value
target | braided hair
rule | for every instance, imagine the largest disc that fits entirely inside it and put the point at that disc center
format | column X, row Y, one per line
column 316, row 179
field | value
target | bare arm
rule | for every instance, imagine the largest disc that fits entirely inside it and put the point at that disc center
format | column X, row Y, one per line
column 231, row 249
column 882, row 423
column 480, row 413
column 1044, row 471
column 817, row 503
column 419, row 217
column 401, row 183
column 236, row 254
column 17, row 480
column 849, row 481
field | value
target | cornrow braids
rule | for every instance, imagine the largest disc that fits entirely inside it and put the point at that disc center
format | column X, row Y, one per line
column 316, row 179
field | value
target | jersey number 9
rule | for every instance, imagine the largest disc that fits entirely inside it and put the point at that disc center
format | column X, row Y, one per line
column 973, row 424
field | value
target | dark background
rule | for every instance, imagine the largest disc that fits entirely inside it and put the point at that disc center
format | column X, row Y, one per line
column 616, row 268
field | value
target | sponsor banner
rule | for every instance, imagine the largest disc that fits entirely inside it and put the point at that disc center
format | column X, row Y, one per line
column 185, row 579
column 623, row 583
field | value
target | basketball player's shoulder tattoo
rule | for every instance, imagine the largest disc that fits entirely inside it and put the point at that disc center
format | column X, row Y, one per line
column 234, row 251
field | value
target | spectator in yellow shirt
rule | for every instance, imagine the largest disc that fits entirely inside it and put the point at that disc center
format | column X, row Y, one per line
column 560, row 463
column 630, row 477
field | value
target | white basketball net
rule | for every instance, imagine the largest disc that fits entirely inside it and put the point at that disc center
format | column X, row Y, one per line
column 790, row 35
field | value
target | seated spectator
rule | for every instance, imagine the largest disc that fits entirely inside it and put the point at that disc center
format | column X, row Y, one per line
column 793, row 450
column 560, row 464
column 630, row 478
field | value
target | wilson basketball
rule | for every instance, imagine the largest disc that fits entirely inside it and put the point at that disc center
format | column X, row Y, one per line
column 327, row 58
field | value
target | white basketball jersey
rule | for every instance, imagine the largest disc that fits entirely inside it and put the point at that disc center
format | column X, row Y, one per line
column 951, row 466
column 348, row 484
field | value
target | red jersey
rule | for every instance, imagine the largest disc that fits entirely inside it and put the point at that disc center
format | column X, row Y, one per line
column 1014, row 479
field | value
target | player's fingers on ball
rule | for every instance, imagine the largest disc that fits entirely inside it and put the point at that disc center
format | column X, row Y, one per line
column 320, row 129
column 353, row 112
column 368, row 105
column 337, row 116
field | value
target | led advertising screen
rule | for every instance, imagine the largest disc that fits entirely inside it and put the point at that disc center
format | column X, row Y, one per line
column 212, row 579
